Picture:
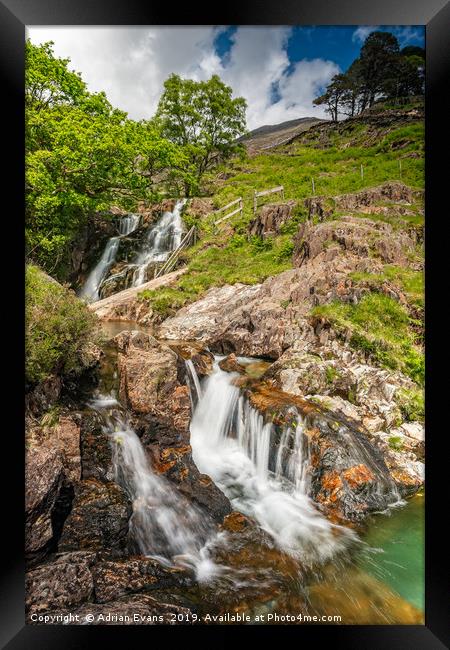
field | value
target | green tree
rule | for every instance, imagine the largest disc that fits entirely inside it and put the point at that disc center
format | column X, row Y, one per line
column 203, row 119
column 333, row 96
column 82, row 155
column 378, row 65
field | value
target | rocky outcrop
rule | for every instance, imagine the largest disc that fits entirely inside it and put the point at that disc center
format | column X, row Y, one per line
column 43, row 482
column 149, row 384
column 367, row 200
column 98, row 519
column 352, row 237
column 114, row 579
column 271, row 218
column 63, row 583
column 53, row 468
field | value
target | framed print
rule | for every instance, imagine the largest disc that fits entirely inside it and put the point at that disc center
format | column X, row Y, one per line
column 229, row 358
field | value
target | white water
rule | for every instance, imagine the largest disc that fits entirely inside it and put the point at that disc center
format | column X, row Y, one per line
column 129, row 223
column 91, row 288
column 162, row 239
column 164, row 525
column 232, row 444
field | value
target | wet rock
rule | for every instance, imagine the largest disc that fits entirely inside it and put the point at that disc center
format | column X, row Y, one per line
column 177, row 465
column 64, row 582
column 201, row 358
column 114, row 579
column 44, row 477
column 140, row 609
column 270, row 219
column 96, row 450
column 98, row 519
column 149, row 384
column 231, row 364
column 349, row 476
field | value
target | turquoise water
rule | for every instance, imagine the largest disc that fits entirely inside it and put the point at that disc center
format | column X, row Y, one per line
column 397, row 550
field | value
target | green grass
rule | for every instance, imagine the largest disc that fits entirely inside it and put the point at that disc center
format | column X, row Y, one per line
column 396, row 443
column 411, row 404
column 381, row 328
column 335, row 170
column 409, row 281
column 226, row 262
column 58, row 328
column 219, row 258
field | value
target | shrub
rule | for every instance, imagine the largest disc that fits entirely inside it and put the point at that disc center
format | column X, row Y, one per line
column 59, row 327
column 411, row 404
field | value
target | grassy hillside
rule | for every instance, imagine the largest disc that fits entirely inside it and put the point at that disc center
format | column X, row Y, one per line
column 332, row 155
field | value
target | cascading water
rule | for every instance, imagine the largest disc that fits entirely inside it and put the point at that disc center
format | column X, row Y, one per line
column 232, row 444
column 90, row 289
column 163, row 238
column 129, row 223
column 164, row 525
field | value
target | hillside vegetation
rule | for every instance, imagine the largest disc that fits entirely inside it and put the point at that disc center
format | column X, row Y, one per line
column 332, row 155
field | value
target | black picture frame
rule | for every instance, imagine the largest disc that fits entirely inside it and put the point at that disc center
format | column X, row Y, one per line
column 15, row 15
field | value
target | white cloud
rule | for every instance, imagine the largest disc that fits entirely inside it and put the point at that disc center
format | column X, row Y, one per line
column 362, row 32
column 131, row 63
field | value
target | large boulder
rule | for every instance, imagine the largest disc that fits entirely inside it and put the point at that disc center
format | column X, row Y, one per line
column 177, row 464
column 271, row 218
column 98, row 519
column 44, row 474
column 347, row 474
column 116, row 578
column 149, row 384
column 63, row 583
column 52, row 469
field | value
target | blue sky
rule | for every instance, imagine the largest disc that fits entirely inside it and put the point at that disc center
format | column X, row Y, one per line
column 279, row 70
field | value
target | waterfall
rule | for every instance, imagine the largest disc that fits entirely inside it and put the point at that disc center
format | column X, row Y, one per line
column 91, row 288
column 163, row 238
column 232, row 444
column 164, row 525
column 129, row 223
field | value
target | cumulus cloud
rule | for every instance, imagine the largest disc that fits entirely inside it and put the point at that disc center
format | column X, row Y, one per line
column 131, row 63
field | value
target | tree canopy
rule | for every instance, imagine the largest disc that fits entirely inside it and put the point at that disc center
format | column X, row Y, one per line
column 82, row 154
column 203, row 119
column 382, row 71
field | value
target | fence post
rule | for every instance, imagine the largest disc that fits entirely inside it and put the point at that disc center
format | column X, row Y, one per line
column 254, row 202
column 362, row 173
column 313, row 186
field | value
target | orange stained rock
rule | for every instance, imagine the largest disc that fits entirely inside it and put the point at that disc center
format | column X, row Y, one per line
column 358, row 475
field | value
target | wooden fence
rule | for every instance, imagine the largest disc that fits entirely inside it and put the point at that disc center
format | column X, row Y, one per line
column 169, row 264
column 256, row 195
column 230, row 214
